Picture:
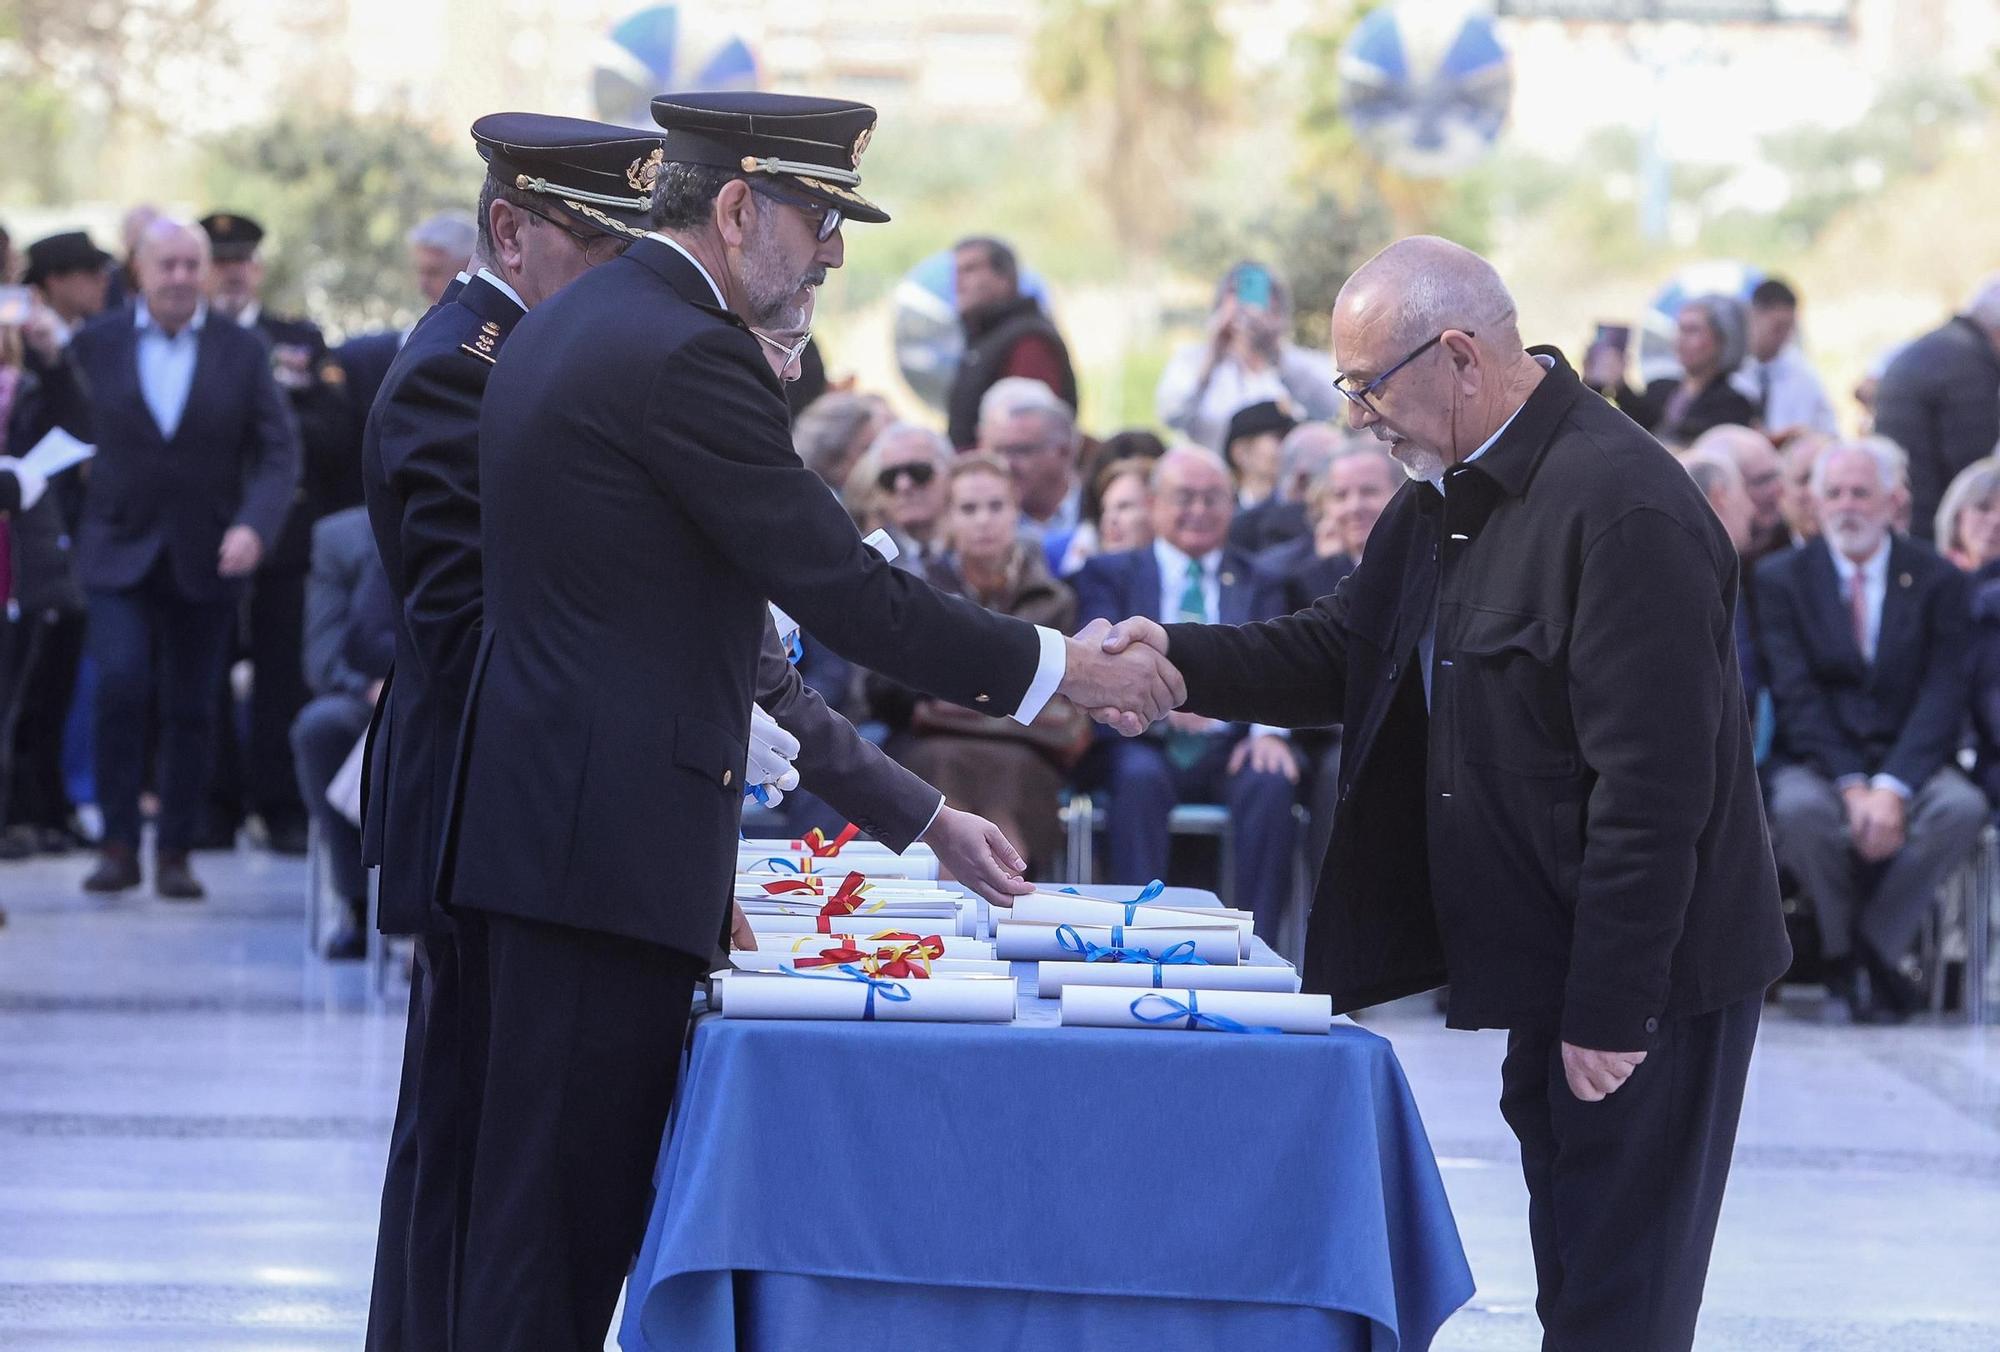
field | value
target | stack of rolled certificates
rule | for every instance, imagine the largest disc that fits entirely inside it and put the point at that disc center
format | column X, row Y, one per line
column 816, row 854
column 853, row 902
column 889, row 975
column 1190, row 964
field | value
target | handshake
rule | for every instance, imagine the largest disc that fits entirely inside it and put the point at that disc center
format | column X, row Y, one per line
column 1120, row 674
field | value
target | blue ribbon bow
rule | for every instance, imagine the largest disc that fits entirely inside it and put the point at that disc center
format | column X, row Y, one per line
column 1150, row 892
column 891, row 990
column 773, row 865
column 1180, row 954
column 1191, row 1011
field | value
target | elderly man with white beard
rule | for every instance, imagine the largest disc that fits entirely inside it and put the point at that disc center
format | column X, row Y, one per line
column 1865, row 635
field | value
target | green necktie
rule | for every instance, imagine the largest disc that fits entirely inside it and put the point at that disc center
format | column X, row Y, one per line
column 1185, row 749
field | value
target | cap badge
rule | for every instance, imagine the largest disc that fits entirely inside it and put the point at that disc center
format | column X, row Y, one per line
column 861, row 145
column 644, row 172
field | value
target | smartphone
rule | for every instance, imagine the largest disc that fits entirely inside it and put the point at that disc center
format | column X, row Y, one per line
column 1615, row 337
column 16, row 304
column 1253, row 287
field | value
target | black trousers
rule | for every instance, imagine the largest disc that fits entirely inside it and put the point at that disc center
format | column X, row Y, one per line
column 39, row 796
column 416, row 1251
column 277, row 648
column 570, row 1052
column 1623, row 1194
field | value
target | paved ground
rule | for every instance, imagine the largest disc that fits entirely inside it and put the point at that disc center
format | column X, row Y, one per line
column 192, row 1122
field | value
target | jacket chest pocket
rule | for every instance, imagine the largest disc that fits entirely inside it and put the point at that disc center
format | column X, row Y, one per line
column 1512, row 694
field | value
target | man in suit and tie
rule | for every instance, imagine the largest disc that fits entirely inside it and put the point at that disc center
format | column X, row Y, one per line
column 440, row 254
column 1866, row 639
column 197, row 461
column 1189, row 576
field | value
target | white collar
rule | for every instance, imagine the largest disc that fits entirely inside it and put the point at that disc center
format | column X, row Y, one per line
column 499, row 283
column 1874, row 568
column 681, row 249
column 1174, row 563
column 251, row 314
column 143, row 319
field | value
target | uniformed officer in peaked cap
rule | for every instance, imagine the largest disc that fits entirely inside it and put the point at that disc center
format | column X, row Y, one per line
column 640, row 500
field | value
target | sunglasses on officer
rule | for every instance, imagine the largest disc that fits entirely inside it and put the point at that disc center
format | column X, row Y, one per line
column 918, row 472
column 827, row 219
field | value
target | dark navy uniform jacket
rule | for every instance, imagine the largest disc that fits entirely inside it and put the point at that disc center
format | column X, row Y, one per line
column 640, row 500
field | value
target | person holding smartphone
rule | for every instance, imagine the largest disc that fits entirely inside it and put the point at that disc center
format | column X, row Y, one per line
column 1244, row 359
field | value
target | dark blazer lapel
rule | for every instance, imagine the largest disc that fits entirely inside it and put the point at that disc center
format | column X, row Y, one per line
column 205, row 358
column 128, row 369
column 675, row 268
column 1144, row 579
column 1901, row 612
column 1238, row 588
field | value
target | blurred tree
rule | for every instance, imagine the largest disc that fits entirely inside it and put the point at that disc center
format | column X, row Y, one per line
column 1314, row 244
column 1147, row 79
column 337, row 194
column 135, row 58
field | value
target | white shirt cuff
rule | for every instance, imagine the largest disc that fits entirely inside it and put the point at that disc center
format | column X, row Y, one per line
column 1048, row 675
column 936, row 812
column 1893, row 785
column 1266, row 730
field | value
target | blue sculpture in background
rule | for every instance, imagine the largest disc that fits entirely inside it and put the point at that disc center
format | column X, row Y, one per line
column 1427, row 86
column 664, row 47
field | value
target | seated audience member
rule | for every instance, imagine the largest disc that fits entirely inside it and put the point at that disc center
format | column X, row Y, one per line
column 833, row 432
column 1968, row 520
column 1189, row 576
column 1985, row 683
column 1302, row 457
column 1762, row 478
column 350, row 637
column 1067, row 550
column 1721, row 482
column 1250, row 447
column 1775, row 376
column 1797, row 458
column 1034, row 433
column 1709, row 342
column 1125, row 506
column 1009, row 774
column 898, row 486
column 1342, row 506
column 1865, row 636
column 1244, row 359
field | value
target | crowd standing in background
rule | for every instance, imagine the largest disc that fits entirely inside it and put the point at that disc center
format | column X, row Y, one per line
column 216, row 535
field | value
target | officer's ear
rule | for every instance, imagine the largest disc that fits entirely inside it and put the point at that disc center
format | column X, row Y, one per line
column 735, row 207
column 506, row 223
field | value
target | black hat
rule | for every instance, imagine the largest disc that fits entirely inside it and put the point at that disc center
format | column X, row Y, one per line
column 601, row 174
column 70, row 251
column 1256, row 419
column 231, row 238
column 812, row 145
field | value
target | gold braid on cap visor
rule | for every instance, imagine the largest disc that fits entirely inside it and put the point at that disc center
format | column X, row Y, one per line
column 528, row 183
column 845, row 177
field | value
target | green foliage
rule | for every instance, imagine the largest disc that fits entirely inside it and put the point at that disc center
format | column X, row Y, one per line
column 1314, row 244
column 37, row 124
column 338, row 194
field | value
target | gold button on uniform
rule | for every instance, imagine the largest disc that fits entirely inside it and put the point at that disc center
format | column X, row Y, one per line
column 727, row 775
column 980, row 699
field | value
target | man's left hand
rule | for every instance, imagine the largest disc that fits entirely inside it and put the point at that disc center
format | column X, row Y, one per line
column 240, row 554
column 975, row 852
column 1595, row 1076
column 1272, row 755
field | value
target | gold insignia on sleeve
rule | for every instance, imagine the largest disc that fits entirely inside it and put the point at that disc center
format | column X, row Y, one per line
column 644, row 172
column 861, row 144
column 484, row 344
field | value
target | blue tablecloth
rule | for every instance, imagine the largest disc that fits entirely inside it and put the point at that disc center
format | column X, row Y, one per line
column 964, row 1187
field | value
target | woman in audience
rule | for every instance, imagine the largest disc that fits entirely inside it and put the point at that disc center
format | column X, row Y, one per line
column 1125, row 506
column 1968, row 519
column 995, row 767
column 1068, row 552
column 1710, row 338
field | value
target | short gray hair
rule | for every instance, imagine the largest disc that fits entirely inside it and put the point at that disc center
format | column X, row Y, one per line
column 1711, row 470
column 1307, row 449
column 1185, row 452
column 1729, row 323
column 825, row 430
column 1892, row 466
column 1014, row 395
column 684, row 194
column 1977, row 482
column 451, row 233
column 934, row 441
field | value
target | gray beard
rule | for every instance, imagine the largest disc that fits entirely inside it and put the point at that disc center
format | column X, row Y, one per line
column 769, row 287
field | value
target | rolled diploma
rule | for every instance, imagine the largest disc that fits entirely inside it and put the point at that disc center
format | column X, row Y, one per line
column 964, row 922
column 1057, row 909
column 940, row 967
column 1111, row 1007
column 969, row 999
column 1027, row 941
column 859, row 845
column 768, row 866
column 808, row 945
column 1053, row 978
column 942, row 907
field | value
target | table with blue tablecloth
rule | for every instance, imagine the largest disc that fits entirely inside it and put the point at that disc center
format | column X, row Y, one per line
column 833, row 1185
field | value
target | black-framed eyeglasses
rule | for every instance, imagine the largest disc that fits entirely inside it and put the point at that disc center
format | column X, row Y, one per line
column 918, row 472
column 828, row 218
column 585, row 239
column 792, row 351
column 1364, row 395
